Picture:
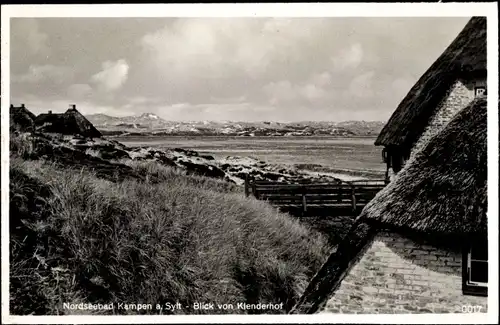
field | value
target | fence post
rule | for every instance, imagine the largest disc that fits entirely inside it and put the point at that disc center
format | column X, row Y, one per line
column 304, row 203
column 254, row 190
column 247, row 189
column 353, row 198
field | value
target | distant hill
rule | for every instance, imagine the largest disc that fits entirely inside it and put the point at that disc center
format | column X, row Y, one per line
column 151, row 124
column 146, row 120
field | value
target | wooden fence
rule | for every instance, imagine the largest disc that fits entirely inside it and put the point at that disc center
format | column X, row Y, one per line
column 344, row 198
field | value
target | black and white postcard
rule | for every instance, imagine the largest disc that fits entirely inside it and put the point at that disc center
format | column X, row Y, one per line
column 298, row 162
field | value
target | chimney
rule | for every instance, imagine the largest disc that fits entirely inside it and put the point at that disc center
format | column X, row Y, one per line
column 22, row 105
column 50, row 112
column 72, row 107
column 11, row 105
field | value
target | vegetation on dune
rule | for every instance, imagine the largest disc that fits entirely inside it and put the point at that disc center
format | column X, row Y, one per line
column 164, row 237
column 161, row 173
column 21, row 145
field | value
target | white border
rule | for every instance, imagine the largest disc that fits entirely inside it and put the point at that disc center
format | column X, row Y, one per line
column 255, row 10
column 493, row 144
column 490, row 10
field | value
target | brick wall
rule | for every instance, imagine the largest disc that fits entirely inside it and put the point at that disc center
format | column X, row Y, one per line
column 399, row 275
column 459, row 96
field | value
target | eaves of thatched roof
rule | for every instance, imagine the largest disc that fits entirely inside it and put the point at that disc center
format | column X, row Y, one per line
column 465, row 57
column 443, row 189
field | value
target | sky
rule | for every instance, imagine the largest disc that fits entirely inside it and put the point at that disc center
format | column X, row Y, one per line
column 224, row 69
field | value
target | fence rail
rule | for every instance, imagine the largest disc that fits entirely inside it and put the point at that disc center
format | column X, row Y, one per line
column 342, row 198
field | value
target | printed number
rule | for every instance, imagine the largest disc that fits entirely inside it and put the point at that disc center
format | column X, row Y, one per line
column 471, row 309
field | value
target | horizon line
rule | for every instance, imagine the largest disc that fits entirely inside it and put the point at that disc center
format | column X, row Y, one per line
column 60, row 111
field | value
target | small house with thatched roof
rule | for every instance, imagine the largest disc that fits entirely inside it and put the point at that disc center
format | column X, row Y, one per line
column 21, row 119
column 449, row 85
column 71, row 122
column 420, row 245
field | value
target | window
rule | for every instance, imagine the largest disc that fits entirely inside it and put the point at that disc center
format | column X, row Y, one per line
column 384, row 155
column 479, row 91
column 475, row 269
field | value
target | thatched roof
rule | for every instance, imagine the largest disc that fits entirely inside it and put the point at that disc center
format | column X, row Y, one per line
column 84, row 126
column 441, row 193
column 443, row 190
column 465, row 57
column 71, row 122
column 21, row 118
column 48, row 118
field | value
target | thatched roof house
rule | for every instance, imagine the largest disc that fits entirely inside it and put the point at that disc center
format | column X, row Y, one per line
column 70, row 122
column 444, row 190
column 449, row 85
column 21, row 119
column 421, row 244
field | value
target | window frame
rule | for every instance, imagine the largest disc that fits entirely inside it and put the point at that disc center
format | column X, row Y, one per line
column 471, row 287
column 478, row 88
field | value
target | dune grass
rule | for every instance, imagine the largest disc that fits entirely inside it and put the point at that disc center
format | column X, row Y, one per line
column 154, row 170
column 78, row 238
column 21, row 145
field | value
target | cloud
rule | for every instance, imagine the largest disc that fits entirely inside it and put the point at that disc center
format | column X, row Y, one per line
column 38, row 73
column 225, row 100
column 283, row 69
column 26, row 36
column 112, row 76
column 361, row 85
column 79, row 91
column 313, row 89
column 401, row 86
column 349, row 58
column 312, row 92
column 322, row 79
column 216, row 46
column 281, row 91
column 141, row 100
column 141, row 104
